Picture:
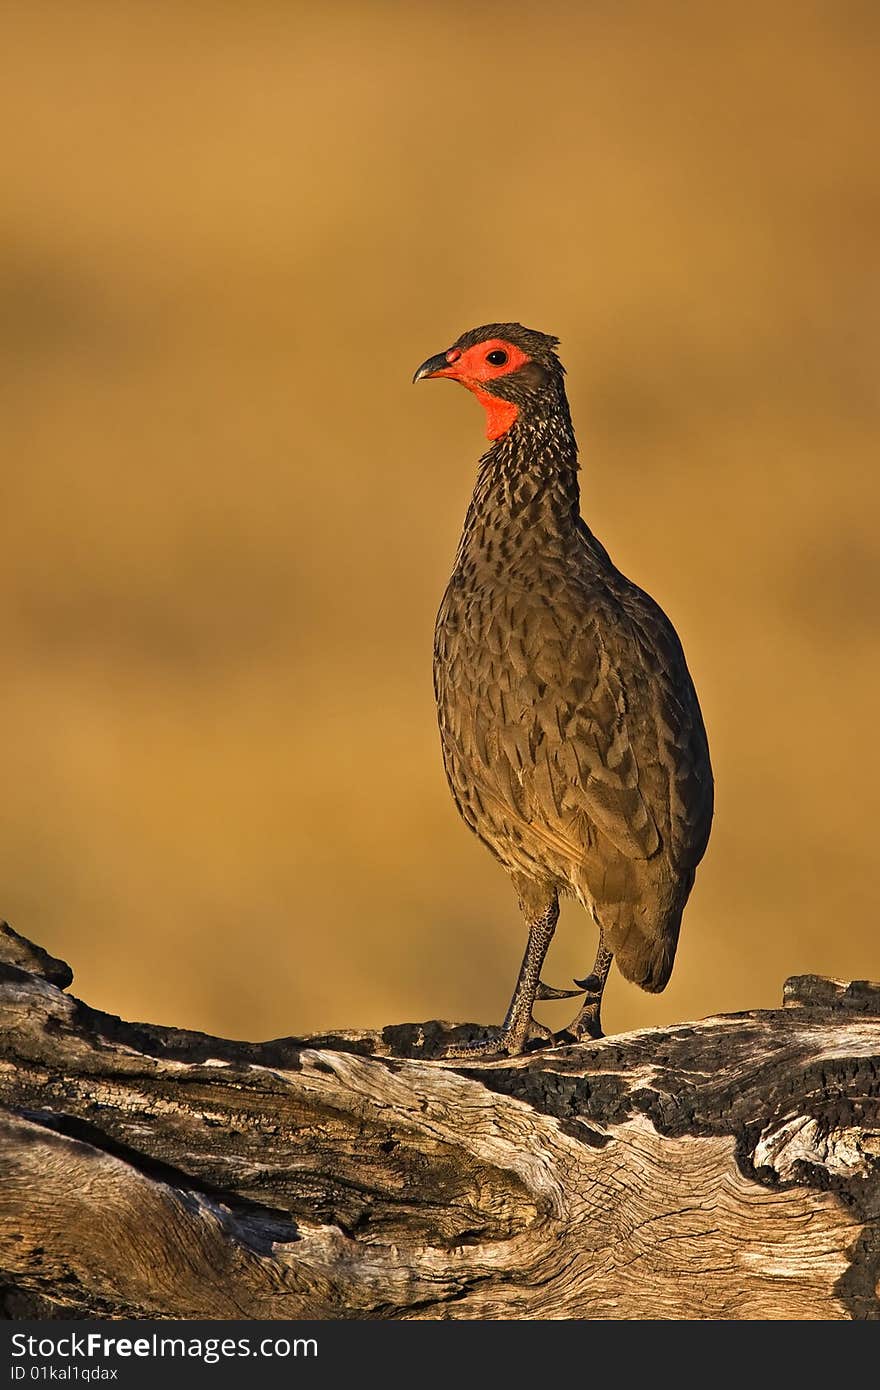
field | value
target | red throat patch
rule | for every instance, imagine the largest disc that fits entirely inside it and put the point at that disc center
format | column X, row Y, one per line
column 500, row 414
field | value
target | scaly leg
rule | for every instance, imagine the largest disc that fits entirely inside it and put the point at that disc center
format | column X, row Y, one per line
column 519, row 1026
column 588, row 1024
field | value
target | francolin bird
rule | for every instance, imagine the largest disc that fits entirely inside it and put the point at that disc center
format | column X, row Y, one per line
column 572, row 737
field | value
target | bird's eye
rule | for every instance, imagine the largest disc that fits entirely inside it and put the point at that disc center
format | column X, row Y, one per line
column 497, row 358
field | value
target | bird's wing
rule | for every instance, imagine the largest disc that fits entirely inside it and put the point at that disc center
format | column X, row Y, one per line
column 670, row 738
column 582, row 729
column 592, row 724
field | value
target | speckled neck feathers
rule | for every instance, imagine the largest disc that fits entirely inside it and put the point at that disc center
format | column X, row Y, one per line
column 526, row 499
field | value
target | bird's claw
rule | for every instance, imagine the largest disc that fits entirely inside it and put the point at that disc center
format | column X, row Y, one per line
column 590, row 985
column 545, row 992
column 585, row 1028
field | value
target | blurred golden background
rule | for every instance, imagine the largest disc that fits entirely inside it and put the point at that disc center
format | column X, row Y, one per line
column 228, row 235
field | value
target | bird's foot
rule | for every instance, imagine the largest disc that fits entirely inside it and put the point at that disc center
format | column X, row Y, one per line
column 517, row 1034
column 587, row 1025
column 579, row 1031
column 585, row 1028
column 510, row 1041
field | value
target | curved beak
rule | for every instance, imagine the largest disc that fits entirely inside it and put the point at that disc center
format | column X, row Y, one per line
column 435, row 366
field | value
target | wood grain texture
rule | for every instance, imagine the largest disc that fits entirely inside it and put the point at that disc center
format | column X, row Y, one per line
column 723, row 1169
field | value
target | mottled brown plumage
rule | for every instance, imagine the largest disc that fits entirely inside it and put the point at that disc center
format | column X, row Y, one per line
column 571, row 733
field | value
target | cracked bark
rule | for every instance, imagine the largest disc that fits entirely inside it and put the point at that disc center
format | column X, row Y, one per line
column 728, row 1168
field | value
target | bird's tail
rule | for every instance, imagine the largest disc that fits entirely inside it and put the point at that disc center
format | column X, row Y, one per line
column 646, row 961
column 644, row 946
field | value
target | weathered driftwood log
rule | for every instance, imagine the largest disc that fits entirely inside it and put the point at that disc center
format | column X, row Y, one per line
column 722, row 1169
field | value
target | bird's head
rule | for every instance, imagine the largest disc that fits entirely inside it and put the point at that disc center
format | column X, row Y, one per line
column 512, row 371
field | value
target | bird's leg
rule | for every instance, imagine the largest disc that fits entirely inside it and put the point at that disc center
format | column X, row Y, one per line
column 519, row 1027
column 588, row 1024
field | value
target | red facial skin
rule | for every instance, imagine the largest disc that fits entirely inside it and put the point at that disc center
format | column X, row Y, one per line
column 472, row 369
